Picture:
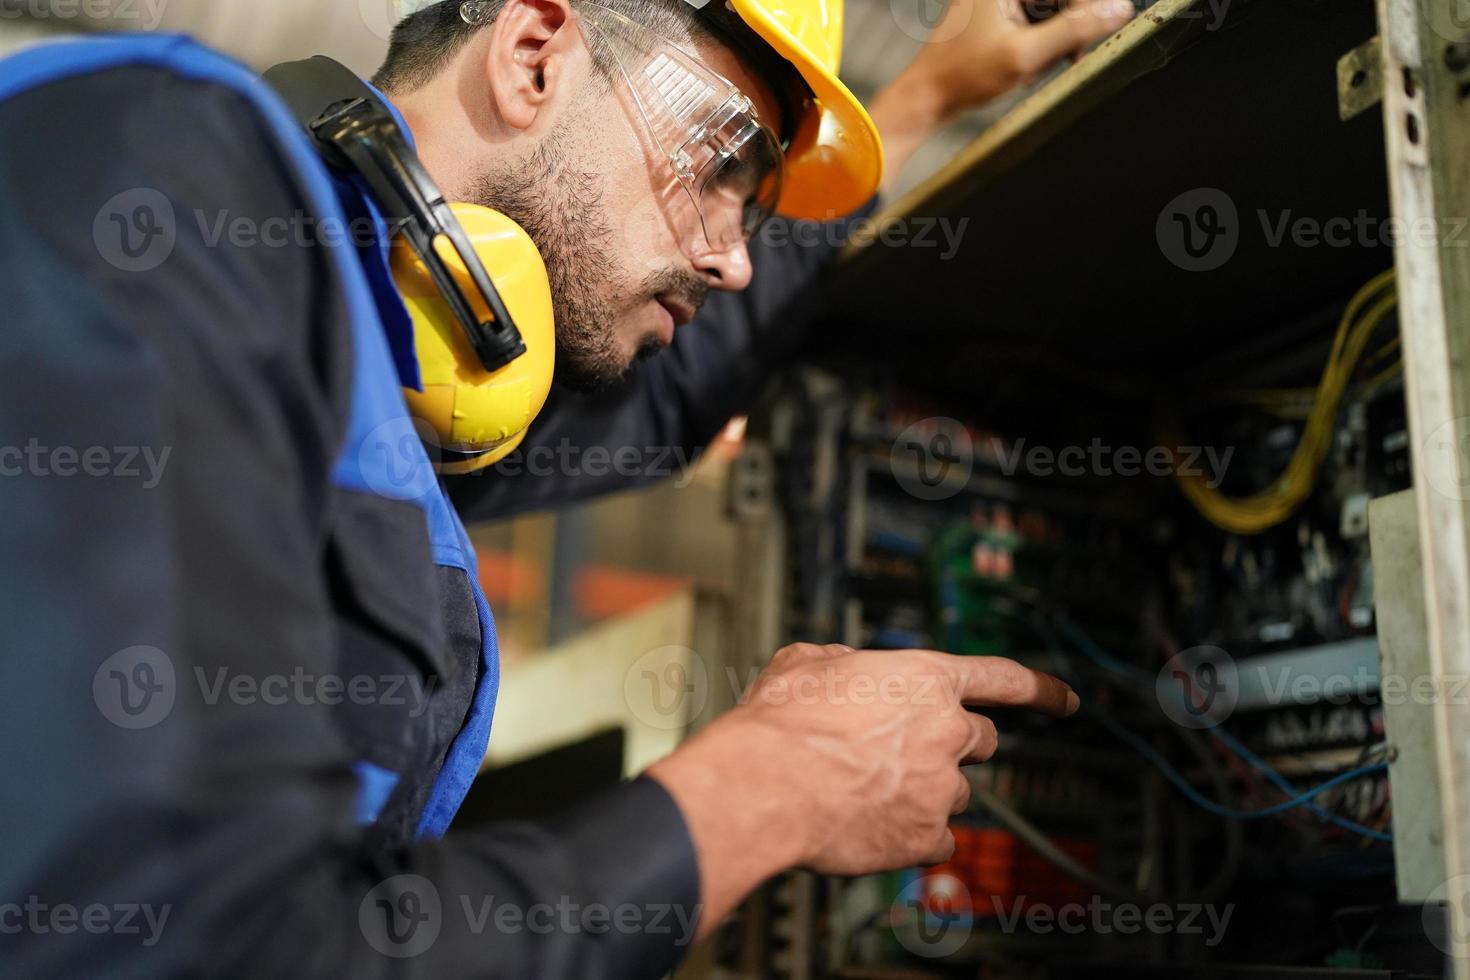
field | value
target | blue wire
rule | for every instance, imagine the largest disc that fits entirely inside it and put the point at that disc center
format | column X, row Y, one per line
column 1281, row 783
column 1199, row 799
column 1298, row 798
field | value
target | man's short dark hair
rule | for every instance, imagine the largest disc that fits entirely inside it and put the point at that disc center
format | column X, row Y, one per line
column 426, row 41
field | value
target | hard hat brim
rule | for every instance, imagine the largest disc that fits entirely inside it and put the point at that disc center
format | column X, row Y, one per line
column 835, row 162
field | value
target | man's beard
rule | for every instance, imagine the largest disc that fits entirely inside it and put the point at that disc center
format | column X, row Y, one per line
column 561, row 209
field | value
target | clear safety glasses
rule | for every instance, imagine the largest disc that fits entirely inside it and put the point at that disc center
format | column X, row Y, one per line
column 724, row 160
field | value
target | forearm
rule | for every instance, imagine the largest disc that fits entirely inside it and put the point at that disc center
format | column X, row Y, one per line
column 742, row 808
column 908, row 111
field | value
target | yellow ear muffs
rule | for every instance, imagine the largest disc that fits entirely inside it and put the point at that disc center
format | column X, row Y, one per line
column 478, row 416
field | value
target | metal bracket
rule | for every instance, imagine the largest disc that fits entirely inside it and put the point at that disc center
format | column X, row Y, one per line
column 1359, row 79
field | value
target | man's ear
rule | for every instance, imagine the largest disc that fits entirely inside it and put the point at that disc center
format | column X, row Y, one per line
column 532, row 43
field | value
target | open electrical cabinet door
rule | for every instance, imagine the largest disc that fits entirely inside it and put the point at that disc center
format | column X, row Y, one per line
column 1194, row 216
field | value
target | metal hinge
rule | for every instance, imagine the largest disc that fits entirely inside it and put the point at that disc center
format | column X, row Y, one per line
column 1359, row 79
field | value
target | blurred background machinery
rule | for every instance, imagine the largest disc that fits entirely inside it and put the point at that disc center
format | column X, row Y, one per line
column 1147, row 428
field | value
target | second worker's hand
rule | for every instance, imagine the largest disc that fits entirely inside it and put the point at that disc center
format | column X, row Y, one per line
column 978, row 51
column 842, row 761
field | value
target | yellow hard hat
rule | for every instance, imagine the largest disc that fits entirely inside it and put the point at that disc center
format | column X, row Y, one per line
column 835, row 161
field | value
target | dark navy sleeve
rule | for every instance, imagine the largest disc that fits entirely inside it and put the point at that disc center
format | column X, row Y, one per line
column 174, row 391
column 655, row 424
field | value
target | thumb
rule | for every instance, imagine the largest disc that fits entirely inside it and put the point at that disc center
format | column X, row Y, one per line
column 1076, row 27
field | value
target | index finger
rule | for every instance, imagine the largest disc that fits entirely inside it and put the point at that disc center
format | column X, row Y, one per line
column 992, row 682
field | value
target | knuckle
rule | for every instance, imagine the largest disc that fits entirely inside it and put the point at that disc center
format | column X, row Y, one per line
column 1015, row 61
column 1017, row 682
column 793, row 651
column 944, row 846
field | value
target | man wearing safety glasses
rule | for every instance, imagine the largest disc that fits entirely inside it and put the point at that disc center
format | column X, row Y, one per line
column 210, row 768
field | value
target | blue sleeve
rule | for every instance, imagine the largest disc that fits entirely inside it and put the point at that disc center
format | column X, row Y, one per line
column 658, row 421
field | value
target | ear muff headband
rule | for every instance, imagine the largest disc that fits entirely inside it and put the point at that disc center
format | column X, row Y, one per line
column 483, row 383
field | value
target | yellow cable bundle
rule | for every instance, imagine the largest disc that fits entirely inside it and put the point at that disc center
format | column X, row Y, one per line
column 1271, row 506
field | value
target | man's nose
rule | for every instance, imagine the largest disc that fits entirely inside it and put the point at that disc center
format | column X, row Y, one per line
column 726, row 268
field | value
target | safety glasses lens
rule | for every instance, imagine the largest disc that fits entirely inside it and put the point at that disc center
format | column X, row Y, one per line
column 739, row 187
